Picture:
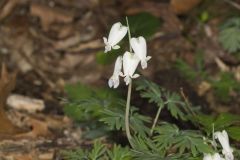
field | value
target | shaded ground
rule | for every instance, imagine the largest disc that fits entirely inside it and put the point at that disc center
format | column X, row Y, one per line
column 52, row 43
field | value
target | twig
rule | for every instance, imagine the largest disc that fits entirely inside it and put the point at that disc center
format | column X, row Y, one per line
column 186, row 101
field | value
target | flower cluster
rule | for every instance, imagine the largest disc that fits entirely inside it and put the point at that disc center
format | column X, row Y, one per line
column 129, row 61
column 227, row 151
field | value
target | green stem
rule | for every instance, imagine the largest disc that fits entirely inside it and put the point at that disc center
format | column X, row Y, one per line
column 155, row 120
column 127, row 126
column 129, row 36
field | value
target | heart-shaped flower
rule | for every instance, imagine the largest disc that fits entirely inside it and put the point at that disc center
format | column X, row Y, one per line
column 114, row 80
column 215, row 156
column 117, row 32
column 140, row 49
column 224, row 141
column 130, row 63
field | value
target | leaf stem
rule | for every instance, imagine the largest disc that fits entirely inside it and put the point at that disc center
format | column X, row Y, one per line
column 155, row 120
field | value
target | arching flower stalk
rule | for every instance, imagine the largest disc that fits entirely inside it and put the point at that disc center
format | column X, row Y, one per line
column 128, row 62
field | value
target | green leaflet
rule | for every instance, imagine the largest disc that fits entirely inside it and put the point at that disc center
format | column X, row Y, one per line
column 230, row 35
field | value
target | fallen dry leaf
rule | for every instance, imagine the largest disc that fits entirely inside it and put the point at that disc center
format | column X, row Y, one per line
column 7, row 84
column 183, row 6
column 222, row 66
column 68, row 42
column 9, row 7
column 43, row 125
column 203, row 87
column 39, row 129
column 49, row 15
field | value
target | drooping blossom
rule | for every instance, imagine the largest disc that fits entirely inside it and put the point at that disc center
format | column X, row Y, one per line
column 130, row 63
column 215, row 156
column 117, row 32
column 140, row 49
column 114, row 80
column 227, row 151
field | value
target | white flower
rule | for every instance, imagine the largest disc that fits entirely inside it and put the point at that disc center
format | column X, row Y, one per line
column 224, row 141
column 114, row 80
column 216, row 156
column 117, row 32
column 140, row 48
column 130, row 63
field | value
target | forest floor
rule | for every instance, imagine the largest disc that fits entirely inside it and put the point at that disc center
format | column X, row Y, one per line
column 49, row 44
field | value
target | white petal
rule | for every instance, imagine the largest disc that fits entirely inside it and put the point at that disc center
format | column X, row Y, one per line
column 105, row 40
column 140, row 49
column 224, row 141
column 148, row 58
column 229, row 156
column 144, row 64
column 127, row 80
column 139, row 46
column 113, row 81
column 216, row 156
column 107, row 48
column 135, row 76
column 110, row 82
column 116, row 47
column 118, row 66
column 117, row 32
column 130, row 63
column 207, row 157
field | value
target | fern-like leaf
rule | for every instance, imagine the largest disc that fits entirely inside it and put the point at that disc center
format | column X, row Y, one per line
column 169, row 136
column 230, row 35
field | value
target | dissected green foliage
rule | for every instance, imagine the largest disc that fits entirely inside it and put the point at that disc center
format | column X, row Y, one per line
column 224, row 85
column 105, row 111
column 86, row 103
column 101, row 105
column 194, row 73
column 221, row 86
column 230, row 35
column 227, row 121
column 169, row 136
column 163, row 98
column 115, row 119
column 78, row 154
column 119, row 153
column 99, row 151
column 186, row 70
